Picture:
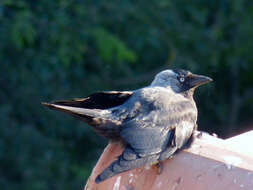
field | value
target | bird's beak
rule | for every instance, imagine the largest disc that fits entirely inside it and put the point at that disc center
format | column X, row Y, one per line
column 197, row 80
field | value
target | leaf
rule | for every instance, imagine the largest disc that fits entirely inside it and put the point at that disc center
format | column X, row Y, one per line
column 111, row 48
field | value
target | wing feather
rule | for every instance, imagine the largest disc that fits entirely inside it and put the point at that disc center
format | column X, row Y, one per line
column 99, row 100
column 152, row 126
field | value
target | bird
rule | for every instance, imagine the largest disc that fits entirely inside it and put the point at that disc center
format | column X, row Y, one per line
column 152, row 123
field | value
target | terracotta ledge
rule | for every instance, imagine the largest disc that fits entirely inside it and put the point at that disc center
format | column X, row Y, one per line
column 210, row 163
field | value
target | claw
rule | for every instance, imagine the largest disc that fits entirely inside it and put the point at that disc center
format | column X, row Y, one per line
column 158, row 167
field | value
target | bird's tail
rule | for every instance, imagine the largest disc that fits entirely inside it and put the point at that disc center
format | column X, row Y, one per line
column 97, row 118
column 126, row 161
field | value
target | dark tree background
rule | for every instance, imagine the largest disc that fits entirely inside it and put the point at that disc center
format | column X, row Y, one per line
column 63, row 49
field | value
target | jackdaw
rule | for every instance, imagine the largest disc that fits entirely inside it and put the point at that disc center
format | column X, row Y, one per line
column 152, row 122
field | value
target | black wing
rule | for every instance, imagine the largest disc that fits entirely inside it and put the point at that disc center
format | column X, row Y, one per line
column 154, row 114
column 90, row 110
column 156, row 126
column 99, row 100
column 147, row 138
column 90, row 107
column 146, row 144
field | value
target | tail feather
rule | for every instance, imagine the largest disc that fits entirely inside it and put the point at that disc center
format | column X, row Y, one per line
column 127, row 161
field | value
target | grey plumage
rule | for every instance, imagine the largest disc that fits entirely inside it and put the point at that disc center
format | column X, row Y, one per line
column 153, row 122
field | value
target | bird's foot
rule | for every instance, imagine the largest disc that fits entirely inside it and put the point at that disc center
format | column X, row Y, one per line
column 158, row 167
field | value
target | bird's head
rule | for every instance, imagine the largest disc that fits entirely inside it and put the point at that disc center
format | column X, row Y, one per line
column 180, row 81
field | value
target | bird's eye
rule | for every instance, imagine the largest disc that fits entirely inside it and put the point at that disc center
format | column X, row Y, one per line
column 181, row 79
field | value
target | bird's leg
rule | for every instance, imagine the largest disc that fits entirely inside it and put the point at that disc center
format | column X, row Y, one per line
column 164, row 155
column 168, row 153
column 158, row 167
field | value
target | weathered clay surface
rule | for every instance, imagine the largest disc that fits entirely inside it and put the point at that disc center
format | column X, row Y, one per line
column 210, row 163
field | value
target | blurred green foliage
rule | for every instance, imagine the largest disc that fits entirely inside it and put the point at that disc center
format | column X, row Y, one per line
column 69, row 48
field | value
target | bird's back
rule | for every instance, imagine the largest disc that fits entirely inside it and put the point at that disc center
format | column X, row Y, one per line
column 155, row 104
